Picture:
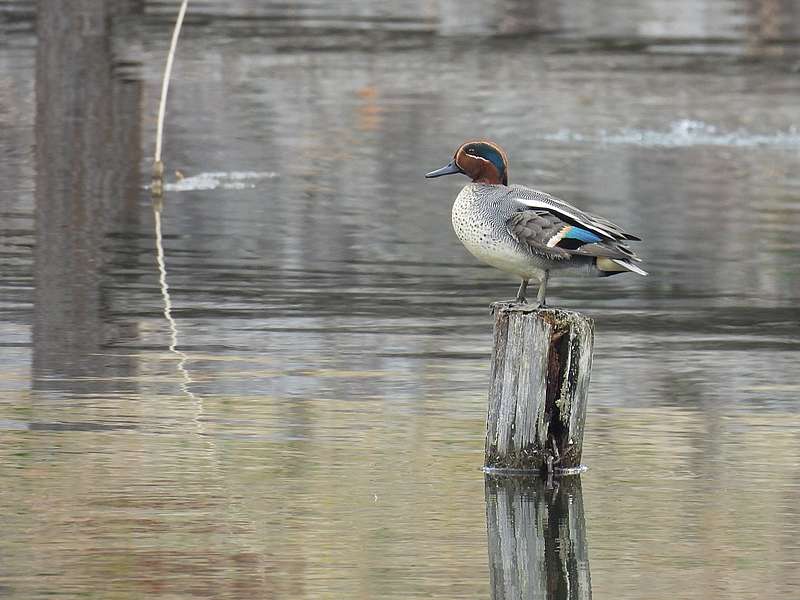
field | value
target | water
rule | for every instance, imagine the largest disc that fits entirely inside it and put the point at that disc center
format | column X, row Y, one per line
column 317, row 428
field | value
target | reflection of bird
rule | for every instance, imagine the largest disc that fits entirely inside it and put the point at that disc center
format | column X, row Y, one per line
column 526, row 232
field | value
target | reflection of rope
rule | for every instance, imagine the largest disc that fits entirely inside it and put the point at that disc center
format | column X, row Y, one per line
column 173, row 326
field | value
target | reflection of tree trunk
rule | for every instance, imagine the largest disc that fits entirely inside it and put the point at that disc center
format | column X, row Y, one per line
column 537, row 539
column 87, row 160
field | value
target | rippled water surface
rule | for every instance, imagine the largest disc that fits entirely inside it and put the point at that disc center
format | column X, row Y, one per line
column 309, row 420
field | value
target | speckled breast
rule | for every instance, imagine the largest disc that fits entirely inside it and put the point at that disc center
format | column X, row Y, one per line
column 480, row 223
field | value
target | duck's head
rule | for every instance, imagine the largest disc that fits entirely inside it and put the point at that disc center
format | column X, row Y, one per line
column 480, row 160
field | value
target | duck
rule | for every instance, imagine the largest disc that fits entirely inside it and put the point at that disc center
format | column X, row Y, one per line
column 529, row 233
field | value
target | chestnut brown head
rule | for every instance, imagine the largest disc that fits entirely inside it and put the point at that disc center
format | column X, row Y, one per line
column 480, row 160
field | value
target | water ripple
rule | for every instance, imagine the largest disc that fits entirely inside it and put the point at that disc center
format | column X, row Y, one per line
column 682, row 133
column 233, row 180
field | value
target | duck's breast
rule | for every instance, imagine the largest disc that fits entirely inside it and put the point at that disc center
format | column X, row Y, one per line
column 479, row 220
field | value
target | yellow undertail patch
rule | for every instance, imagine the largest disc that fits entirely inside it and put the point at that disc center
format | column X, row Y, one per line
column 606, row 264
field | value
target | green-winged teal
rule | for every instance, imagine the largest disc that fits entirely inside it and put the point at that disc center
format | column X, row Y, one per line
column 527, row 232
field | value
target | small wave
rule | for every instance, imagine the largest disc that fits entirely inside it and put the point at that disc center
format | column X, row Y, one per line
column 234, row 180
column 684, row 132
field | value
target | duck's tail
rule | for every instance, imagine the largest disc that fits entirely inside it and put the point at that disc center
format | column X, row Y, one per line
column 613, row 266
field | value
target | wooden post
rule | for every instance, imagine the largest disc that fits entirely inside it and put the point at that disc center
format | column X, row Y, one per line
column 541, row 363
column 537, row 538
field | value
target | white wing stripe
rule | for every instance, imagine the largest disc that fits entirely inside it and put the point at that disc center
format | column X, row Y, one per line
column 629, row 266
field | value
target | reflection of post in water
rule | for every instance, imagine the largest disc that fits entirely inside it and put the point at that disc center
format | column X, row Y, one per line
column 537, row 538
column 87, row 182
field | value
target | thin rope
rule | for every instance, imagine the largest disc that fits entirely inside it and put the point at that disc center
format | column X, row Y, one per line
column 162, row 106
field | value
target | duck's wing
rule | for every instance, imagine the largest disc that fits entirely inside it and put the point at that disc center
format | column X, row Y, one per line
column 556, row 230
column 534, row 199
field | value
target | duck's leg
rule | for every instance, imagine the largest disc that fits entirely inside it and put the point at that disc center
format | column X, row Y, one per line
column 521, row 292
column 542, row 290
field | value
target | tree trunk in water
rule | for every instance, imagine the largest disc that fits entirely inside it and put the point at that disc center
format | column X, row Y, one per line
column 541, row 363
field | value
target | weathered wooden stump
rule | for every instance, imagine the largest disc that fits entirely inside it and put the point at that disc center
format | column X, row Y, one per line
column 537, row 538
column 541, row 363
